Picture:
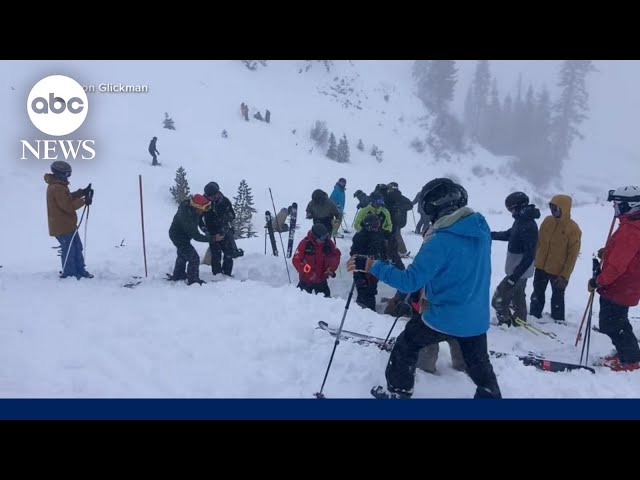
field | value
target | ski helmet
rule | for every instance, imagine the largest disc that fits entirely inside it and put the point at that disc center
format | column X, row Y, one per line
column 211, row 189
column 61, row 169
column 625, row 199
column 371, row 222
column 357, row 193
column 200, row 203
column 393, row 186
column 319, row 231
column 516, row 201
column 441, row 196
column 376, row 199
column 342, row 182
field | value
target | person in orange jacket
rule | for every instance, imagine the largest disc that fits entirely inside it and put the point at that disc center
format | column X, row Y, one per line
column 316, row 259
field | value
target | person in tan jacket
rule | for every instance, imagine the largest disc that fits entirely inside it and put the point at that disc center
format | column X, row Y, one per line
column 556, row 254
column 62, row 218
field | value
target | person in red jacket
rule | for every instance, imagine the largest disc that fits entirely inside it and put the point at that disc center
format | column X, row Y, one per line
column 618, row 284
column 316, row 259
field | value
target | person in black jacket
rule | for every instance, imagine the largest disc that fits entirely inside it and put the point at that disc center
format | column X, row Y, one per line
column 363, row 199
column 521, row 252
column 398, row 206
column 154, row 151
column 184, row 228
column 218, row 223
column 372, row 242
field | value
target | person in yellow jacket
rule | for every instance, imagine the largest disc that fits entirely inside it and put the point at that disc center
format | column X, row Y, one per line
column 377, row 208
column 556, row 254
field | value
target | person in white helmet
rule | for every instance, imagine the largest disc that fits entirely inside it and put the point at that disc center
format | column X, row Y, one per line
column 618, row 284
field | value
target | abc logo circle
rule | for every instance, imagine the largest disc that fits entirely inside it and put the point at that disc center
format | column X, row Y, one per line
column 57, row 105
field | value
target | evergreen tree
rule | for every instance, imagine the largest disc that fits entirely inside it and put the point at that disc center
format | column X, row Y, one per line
column 332, row 152
column 243, row 207
column 490, row 132
column 570, row 109
column 343, row 153
column 506, row 122
column 360, row 145
column 180, row 190
column 479, row 100
column 436, row 80
column 168, row 122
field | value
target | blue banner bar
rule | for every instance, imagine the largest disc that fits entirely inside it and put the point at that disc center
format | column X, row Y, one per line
column 315, row 409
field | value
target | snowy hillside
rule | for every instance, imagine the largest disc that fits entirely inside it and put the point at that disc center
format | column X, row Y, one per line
column 253, row 336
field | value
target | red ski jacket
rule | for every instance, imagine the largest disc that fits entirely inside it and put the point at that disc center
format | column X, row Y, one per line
column 313, row 259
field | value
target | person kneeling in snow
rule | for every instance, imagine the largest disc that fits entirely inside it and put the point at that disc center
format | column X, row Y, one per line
column 316, row 259
column 184, row 228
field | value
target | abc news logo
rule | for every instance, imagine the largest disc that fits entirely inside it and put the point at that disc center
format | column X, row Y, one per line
column 57, row 105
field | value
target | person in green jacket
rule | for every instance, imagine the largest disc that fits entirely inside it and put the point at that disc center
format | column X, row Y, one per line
column 377, row 208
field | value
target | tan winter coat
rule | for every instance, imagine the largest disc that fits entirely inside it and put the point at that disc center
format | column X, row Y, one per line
column 61, row 206
column 558, row 241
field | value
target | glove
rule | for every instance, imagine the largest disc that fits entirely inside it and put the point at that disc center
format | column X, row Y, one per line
column 561, row 282
column 592, row 285
column 359, row 263
column 403, row 309
column 87, row 191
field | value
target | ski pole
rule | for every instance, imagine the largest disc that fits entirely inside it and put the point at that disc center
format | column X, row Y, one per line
column 384, row 345
column 587, row 340
column 144, row 245
column 335, row 345
column 265, row 240
column 64, row 264
column 414, row 219
column 284, row 255
column 84, row 242
column 590, row 302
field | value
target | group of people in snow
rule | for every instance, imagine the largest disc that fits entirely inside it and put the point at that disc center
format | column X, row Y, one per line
column 445, row 290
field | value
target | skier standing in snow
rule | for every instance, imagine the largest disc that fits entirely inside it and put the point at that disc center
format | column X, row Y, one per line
column 62, row 218
column 338, row 197
column 316, row 259
column 217, row 222
column 377, row 207
column 454, row 267
column 154, row 151
column 556, row 254
column 398, row 206
column 521, row 251
column 363, row 199
column 184, row 228
column 423, row 223
column 618, row 284
column 371, row 242
column 322, row 210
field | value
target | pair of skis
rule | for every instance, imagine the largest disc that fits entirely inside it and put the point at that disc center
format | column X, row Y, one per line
column 292, row 229
column 530, row 359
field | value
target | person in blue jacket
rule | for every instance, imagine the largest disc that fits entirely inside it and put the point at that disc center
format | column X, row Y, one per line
column 453, row 267
column 338, row 198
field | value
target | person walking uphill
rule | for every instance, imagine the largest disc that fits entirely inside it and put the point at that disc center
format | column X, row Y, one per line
column 454, row 268
column 154, row 151
column 618, row 284
column 184, row 228
column 62, row 218
column 316, row 259
column 556, row 254
column 522, row 238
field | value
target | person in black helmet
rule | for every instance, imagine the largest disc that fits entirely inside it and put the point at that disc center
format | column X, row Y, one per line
column 217, row 221
column 154, row 151
column 322, row 210
column 62, row 218
column 509, row 299
column 453, row 269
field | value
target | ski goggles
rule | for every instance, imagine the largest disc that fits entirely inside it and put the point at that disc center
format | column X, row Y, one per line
column 378, row 202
